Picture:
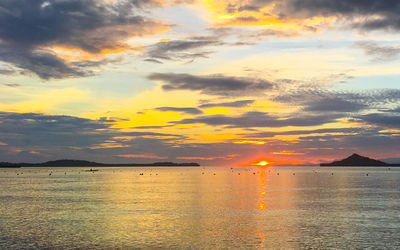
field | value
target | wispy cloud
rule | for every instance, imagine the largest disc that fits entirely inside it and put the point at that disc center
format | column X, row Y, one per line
column 261, row 119
column 378, row 53
column 181, row 50
column 192, row 111
column 234, row 104
column 143, row 156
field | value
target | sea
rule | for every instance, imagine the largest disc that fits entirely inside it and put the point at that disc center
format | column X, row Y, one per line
column 200, row 208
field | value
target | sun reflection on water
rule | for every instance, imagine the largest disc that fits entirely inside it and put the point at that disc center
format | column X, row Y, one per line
column 262, row 185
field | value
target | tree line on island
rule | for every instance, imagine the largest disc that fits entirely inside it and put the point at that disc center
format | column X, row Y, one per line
column 82, row 163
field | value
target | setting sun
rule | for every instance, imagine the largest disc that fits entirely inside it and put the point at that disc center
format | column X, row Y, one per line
column 263, row 163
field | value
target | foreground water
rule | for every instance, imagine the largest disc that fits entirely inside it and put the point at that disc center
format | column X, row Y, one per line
column 192, row 208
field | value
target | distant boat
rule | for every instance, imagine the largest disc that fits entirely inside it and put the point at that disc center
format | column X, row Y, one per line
column 91, row 170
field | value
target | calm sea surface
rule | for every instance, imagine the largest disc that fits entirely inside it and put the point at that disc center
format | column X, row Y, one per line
column 200, row 208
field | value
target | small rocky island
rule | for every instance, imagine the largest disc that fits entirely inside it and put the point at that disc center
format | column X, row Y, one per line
column 356, row 160
column 81, row 163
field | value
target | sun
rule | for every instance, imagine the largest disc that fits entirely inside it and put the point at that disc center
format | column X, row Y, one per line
column 263, row 163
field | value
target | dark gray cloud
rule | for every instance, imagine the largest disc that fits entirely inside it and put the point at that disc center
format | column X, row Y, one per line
column 370, row 141
column 235, row 104
column 194, row 47
column 326, row 7
column 378, row 119
column 152, row 60
column 319, row 100
column 152, row 127
column 37, row 137
column 333, row 104
column 86, row 24
column 212, row 84
column 260, row 119
column 28, row 129
column 192, row 111
column 357, row 106
column 373, row 98
column 26, row 27
column 44, row 64
column 378, row 53
column 31, row 129
column 359, row 14
column 303, row 132
column 147, row 134
column 181, row 50
column 387, row 10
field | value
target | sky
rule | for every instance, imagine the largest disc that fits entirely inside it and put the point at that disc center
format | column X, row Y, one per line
column 221, row 83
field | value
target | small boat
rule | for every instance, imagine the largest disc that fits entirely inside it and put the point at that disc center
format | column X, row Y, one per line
column 92, row 170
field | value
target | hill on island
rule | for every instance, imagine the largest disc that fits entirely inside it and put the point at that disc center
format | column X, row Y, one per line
column 358, row 160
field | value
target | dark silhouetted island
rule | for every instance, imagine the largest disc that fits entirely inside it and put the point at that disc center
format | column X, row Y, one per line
column 356, row 160
column 9, row 165
column 80, row 163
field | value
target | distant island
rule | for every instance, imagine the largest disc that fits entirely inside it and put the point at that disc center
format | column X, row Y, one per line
column 9, row 165
column 356, row 160
column 81, row 163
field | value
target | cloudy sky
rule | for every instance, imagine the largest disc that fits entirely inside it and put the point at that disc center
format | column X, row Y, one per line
column 222, row 82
